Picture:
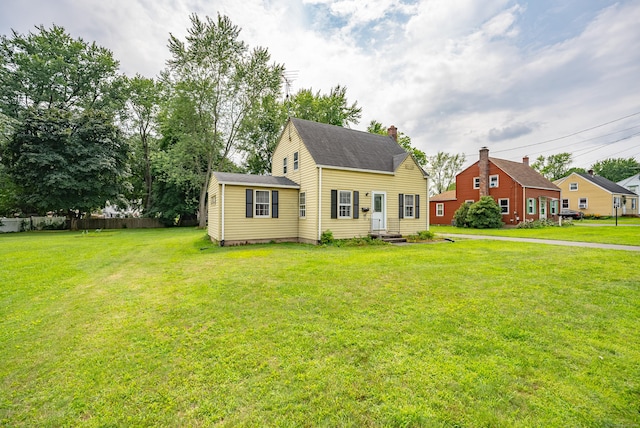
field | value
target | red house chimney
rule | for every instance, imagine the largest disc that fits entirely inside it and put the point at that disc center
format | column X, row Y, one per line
column 483, row 167
column 525, row 160
column 393, row 133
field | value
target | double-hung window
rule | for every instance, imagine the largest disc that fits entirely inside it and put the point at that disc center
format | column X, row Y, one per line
column 476, row 182
column 504, row 206
column 344, row 204
column 531, row 206
column 303, row 205
column 262, row 203
column 284, row 165
column 583, row 203
column 440, row 209
column 565, row 204
column 408, row 206
column 573, row 186
column 296, row 162
column 493, row 181
column 554, row 207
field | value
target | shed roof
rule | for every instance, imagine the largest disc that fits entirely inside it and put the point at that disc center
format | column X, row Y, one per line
column 449, row 195
column 254, row 180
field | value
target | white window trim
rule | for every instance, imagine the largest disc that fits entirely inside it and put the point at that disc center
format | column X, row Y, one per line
column 531, row 206
column 571, row 187
column 469, row 201
column 302, row 205
column 256, row 204
column 476, row 182
column 504, row 206
column 582, row 206
column 340, row 204
column 296, row 161
column 491, row 180
column 562, row 205
column 553, row 207
column 440, row 209
column 412, row 205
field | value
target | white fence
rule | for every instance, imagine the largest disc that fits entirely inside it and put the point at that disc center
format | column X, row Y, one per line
column 31, row 223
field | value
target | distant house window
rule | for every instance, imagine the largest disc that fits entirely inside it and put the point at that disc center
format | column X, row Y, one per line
column 303, row 205
column 295, row 161
column 344, row 204
column 214, row 200
column 504, row 206
column 408, row 206
column 554, row 207
column 476, row 182
column 573, row 186
column 493, row 181
column 565, row 204
column 583, row 204
column 616, row 202
column 469, row 201
column 531, row 206
column 634, row 203
column 440, row 209
column 262, row 203
column 284, row 165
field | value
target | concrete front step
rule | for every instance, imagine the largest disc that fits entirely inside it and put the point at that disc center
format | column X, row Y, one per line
column 389, row 237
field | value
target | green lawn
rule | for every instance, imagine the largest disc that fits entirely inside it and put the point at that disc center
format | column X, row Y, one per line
column 585, row 232
column 160, row 328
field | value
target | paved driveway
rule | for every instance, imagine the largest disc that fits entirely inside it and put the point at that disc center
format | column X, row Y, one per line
column 453, row 236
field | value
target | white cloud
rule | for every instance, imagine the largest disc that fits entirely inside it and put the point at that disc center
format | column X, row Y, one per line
column 454, row 75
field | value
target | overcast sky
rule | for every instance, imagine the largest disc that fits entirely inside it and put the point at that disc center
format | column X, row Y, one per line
column 521, row 77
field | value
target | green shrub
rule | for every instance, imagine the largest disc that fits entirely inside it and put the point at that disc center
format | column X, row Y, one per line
column 327, row 237
column 484, row 214
column 426, row 235
column 460, row 216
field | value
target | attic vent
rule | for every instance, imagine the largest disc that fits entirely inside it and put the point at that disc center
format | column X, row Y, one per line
column 408, row 165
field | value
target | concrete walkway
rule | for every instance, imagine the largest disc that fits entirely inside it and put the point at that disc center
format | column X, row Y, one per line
column 453, row 236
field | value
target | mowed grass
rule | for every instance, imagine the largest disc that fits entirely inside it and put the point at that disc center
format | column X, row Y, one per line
column 160, row 328
column 589, row 231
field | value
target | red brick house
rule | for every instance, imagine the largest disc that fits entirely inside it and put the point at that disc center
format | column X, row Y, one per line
column 520, row 191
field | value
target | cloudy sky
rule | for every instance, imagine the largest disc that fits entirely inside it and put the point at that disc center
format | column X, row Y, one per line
column 521, row 77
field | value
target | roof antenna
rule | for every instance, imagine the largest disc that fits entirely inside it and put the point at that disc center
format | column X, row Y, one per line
column 289, row 77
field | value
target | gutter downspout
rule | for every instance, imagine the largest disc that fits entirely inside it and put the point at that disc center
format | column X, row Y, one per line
column 222, row 219
column 428, row 209
column 319, row 203
column 524, row 203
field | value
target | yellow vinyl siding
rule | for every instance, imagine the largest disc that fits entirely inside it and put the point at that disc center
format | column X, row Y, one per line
column 240, row 228
column 306, row 176
column 213, row 224
column 599, row 201
column 407, row 180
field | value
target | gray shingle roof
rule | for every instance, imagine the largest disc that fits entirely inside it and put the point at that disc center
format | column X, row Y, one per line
column 524, row 174
column 254, row 180
column 606, row 184
column 336, row 146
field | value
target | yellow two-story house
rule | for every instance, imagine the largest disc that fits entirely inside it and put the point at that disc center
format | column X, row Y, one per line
column 323, row 178
column 595, row 195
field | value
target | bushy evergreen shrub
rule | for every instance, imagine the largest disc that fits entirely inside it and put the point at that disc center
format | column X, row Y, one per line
column 485, row 214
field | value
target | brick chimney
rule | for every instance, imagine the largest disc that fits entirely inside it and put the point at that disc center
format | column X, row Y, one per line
column 590, row 172
column 525, row 160
column 393, row 133
column 483, row 167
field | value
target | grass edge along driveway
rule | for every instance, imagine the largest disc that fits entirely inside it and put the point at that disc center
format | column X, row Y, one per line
column 131, row 328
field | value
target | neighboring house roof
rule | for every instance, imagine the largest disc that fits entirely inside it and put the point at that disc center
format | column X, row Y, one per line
column 524, row 174
column 606, row 184
column 335, row 146
column 449, row 195
column 630, row 181
column 254, row 180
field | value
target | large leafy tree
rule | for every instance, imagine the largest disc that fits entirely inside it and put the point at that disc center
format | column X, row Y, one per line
column 443, row 168
column 332, row 108
column 404, row 140
column 616, row 169
column 553, row 167
column 50, row 69
column 144, row 97
column 260, row 135
column 216, row 84
column 61, row 95
column 62, row 161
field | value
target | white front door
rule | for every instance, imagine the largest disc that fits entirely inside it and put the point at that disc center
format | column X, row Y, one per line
column 543, row 208
column 379, row 211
